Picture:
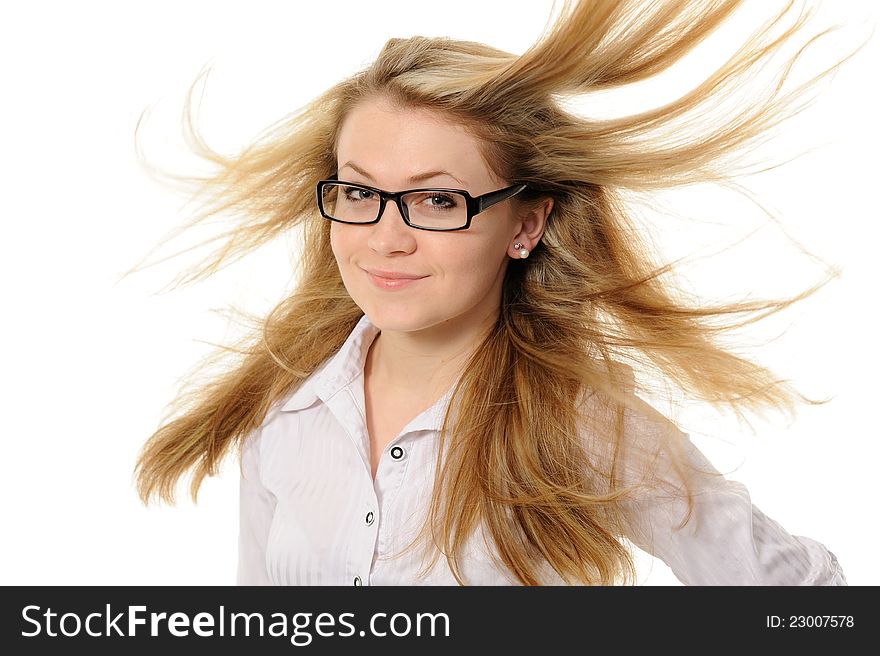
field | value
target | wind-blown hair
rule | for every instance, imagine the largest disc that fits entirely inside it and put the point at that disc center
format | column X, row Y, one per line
column 546, row 406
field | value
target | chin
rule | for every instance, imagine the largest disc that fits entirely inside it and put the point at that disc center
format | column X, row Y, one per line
column 400, row 318
column 388, row 319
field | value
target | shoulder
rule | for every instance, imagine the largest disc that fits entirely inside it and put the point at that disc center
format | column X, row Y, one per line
column 252, row 442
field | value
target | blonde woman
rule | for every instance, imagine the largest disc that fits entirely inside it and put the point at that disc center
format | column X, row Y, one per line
column 450, row 393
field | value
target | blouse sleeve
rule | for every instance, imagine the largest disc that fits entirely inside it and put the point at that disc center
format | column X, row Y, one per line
column 256, row 509
column 727, row 539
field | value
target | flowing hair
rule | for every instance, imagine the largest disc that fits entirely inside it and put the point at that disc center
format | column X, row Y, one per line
column 534, row 437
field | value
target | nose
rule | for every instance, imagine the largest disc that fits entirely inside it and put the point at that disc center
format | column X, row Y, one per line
column 390, row 205
column 392, row 234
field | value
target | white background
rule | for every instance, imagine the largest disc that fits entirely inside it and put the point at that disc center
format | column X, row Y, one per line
column 90, row 361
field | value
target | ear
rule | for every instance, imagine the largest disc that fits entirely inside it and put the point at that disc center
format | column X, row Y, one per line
column 530, row 226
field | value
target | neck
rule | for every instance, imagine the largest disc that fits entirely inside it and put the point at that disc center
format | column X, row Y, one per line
column 425, row 363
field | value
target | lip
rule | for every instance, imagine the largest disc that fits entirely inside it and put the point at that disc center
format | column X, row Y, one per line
column 392, row 275
column 391, row 283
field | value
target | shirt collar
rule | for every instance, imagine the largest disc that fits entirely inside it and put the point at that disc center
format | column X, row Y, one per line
column 338, row 370
column 344, row 366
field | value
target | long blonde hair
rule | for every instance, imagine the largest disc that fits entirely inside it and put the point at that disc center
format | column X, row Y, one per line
column 552, row 386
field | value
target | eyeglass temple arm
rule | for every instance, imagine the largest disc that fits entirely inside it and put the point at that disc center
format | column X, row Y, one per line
column 488, row 200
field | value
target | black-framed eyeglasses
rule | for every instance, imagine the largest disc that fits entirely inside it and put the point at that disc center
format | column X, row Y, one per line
column 426, row 209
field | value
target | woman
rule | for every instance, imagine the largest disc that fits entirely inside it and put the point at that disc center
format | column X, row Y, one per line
column 450, row 371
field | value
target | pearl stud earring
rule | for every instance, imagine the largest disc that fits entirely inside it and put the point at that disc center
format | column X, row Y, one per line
column 524, row 252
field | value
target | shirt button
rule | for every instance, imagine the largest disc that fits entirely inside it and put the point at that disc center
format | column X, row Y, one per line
column 357, row 580
column 369, row 518
column 397, row 453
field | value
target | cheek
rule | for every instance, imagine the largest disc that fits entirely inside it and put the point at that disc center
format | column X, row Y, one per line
column 334, row 237
column 471, row 271
column 340, row 242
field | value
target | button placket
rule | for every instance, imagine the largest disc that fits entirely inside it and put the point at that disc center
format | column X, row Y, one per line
column 390, row 479
column 369, row 519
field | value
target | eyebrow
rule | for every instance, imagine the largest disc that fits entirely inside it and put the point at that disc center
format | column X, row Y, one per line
column 416, row 178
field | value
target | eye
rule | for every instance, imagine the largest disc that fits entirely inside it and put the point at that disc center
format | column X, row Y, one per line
column 361, row 194
column 441, row 201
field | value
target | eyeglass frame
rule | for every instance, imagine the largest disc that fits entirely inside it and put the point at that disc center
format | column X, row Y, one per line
column 475, row 205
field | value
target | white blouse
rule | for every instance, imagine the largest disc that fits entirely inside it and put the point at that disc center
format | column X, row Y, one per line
column 311, row 513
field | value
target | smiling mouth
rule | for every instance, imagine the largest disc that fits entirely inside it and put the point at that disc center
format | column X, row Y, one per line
column 391, row 283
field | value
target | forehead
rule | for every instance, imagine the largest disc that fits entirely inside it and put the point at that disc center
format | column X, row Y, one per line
column 393, row 144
